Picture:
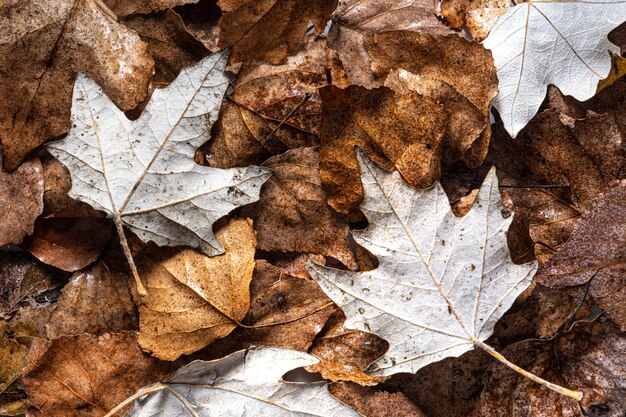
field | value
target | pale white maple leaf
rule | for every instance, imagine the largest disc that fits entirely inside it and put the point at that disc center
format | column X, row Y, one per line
column 558, row 42
column 245, row 383
column 142, row 172
column 442, row 281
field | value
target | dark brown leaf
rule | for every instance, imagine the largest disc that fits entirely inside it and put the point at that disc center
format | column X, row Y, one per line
column 126, row 7
column 21, row 201
column 45, row 44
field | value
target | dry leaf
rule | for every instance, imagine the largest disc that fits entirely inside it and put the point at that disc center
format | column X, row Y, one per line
column 86, row 375
column 534, row 42
column 193, row 299
column 241, row 138
column 68, row 243
column 474, row 17
column 169, row 43
column 353, row 19
column 589, row 357
column 126, row 7
column 201, row 20
column 94, row 301
column 278, row 92
column 292, row 215
column 402, row 131
column 246, row 382
column 21, row 201
column 285, row 311
column 345, row 354
column 44, row 45
column 597, row 252
column 270, row 30
column 12, row 358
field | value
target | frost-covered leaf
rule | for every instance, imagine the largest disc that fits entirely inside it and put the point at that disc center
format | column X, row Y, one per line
column 142, row 172
column 538, row 43
column 246, row 383
column 442, row 281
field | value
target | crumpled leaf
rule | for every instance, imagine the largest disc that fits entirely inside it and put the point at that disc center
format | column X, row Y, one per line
column 142, row 172
column 474, row 17
column 589, row 357
column 86, row 375
column 402, row 131
column 244, row 383
column 124, row 8
column 170, row 44
column 21, row 201
column 12, row 357
column 353, row 19
column 442, row 282
column 270, row 30
column 44, row 45
column 68, row 243
column 596, row 252
column 193, row 299
column 536, row 41
column 293, row 205
column 345, row 354
column 94, row 301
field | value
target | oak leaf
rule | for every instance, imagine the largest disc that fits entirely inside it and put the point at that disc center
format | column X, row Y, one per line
column 270, row 30
column 142, row 172
column 538, row 43
column 474, row 17
column 44, row 45
column 241, row 383
column 193, row 299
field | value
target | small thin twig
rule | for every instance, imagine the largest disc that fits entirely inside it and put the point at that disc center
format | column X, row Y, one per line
column 306, row 98
column 577, row 395
column 129, row 256
column 573, row 313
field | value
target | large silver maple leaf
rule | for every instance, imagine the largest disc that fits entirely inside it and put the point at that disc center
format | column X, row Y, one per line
column 143, row 173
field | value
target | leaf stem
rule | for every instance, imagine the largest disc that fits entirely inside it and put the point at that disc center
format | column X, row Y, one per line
column 143, row 391
column 577, row 395
column 129, row 256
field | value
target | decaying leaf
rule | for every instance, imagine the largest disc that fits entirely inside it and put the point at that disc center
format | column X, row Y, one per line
column 142, row 172
column 442, row 282
column 375, row 403
column 68, row 243
column 474, row 17
column 401, row 131
column 43, row 45
column 269, row 30
column 589, row 357
column 86, row 375
column 292, row 214
column 193, row 299
column 169, row 43
column 21, row 201
column 538, row 43
column 596, row 251
column 12, row 357
column 94, row 301
column 246, row 382
column 353, row 19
